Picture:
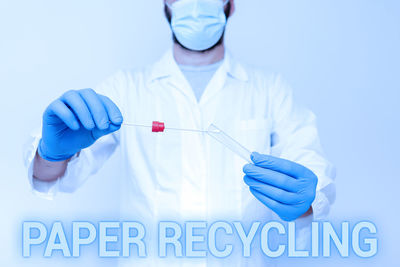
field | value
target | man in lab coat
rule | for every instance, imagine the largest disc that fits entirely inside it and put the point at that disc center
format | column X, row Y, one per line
column 181, row 175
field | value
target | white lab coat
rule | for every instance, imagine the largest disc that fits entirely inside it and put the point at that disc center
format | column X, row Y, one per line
column 182, row 176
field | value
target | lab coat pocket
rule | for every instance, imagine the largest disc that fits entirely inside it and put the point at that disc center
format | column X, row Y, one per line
column 255, row 134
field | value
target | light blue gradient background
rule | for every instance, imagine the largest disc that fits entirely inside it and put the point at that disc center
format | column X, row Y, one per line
column 341, row 57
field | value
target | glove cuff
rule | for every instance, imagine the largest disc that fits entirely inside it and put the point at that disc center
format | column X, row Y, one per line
column 54, row 158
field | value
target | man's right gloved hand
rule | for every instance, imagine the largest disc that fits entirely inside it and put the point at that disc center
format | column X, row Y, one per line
column 75, row 121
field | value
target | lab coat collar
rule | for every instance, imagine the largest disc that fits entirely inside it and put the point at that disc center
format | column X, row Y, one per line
column 167, row 67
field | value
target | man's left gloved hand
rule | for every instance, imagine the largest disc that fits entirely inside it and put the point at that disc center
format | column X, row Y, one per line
column 284, row 186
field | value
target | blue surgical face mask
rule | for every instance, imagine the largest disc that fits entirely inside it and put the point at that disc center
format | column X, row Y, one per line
column 198, row 24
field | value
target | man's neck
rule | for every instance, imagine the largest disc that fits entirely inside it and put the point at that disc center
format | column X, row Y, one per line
column 192, row 58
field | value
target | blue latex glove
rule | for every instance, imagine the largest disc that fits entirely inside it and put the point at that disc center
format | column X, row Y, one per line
column 284, row 186
column 75, row 121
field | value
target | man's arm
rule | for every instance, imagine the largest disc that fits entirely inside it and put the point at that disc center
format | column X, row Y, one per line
column 295, row 138
column 68, row 146
column 296, row 181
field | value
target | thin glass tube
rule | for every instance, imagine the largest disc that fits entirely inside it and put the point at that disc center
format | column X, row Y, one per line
column 229, row 142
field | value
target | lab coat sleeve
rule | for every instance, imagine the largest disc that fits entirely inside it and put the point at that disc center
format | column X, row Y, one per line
column 85, row 163
column 295, row 137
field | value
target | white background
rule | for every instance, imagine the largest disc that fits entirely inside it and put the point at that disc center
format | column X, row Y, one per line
column 341, row 57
